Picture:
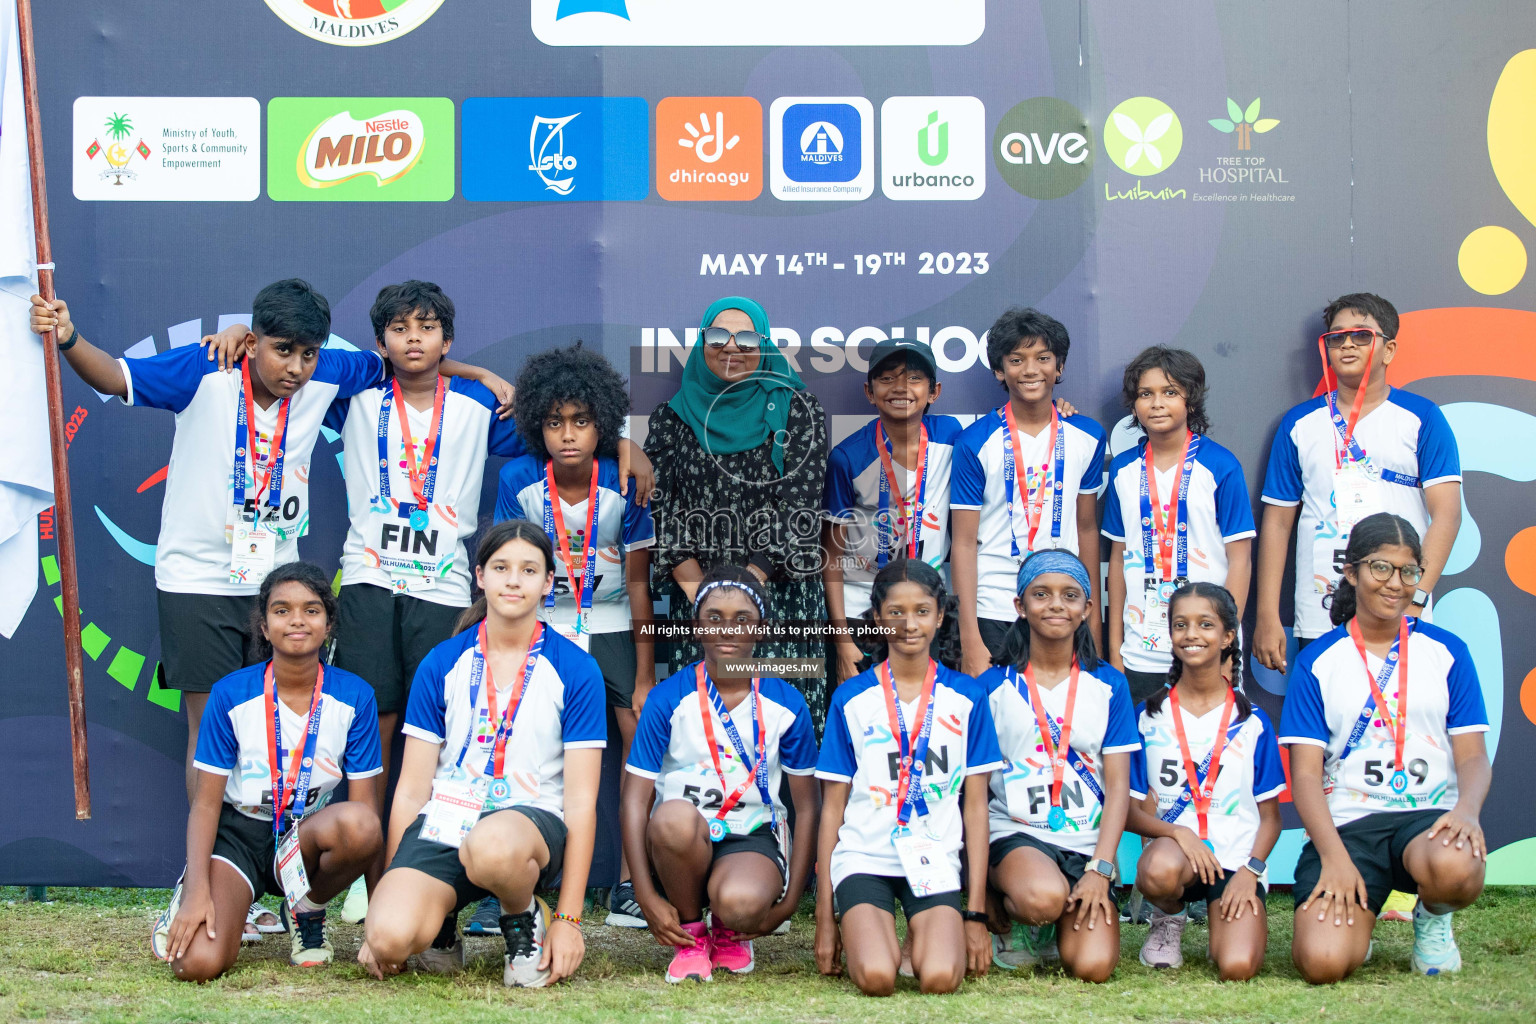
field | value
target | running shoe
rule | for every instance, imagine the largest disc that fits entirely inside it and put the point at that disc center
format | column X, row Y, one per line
column 1016, row 949
column 355, row 909
column 272, row 927
column 160, row 934
column 1199, row 911
column 692, row 962
column 730, row 953
column 1135, row 909
column 446, row 954
column 1399, row 907
column 623, row 909
column 487, row 918
column 310, row 947
column 1434, row 947
column 1161, row 950
column 524, row 934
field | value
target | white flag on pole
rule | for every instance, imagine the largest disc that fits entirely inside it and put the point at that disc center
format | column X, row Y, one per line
column 26, row 467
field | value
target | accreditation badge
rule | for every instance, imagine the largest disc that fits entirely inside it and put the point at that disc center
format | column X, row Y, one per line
column 290, row 869
column 1356, row 494
column 1156, row 594
column 252, row 551
column 453, row 810
column 924, row 862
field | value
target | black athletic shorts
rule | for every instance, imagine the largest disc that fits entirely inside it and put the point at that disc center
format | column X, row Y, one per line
column 383, row 637
column 203, row 638
column 1375, row 843
column 1069, row 862
column 993, row 633
column 883, row 891
column 1197, row 890
column 615, row 657
column 442, row 862
column 759, row 840
column 1145, row 684
column 246, row 844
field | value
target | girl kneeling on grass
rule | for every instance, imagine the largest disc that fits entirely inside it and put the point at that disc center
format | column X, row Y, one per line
column 1214, row 767
column 908, row 748
column 1068, row 732
column 1384, row 718
column 274, row 742
column 498, row 791
column 711, row 750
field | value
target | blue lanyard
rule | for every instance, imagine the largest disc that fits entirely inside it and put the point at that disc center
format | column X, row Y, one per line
column 915, row 517
column 1369, row 711
column 428, row 484
column 1355, row 452
column 914, row 753
column 1172, row 814
column 1010, row 478
column 1073, row 757
column 514, row 699
column 1180, row 514
column 300, row 787
column 760, row 770
column 244, row 445
column 556, row 533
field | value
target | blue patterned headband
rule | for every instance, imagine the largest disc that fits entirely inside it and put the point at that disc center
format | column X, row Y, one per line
column 1043, row 562
column 698, row 599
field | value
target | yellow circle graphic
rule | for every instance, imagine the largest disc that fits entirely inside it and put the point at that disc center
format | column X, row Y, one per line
column 1492, row 260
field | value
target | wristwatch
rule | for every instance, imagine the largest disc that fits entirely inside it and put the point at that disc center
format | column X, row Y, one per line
column 1257, row 866
column 1104, row 867
column 1420, row 599
column 974, row 916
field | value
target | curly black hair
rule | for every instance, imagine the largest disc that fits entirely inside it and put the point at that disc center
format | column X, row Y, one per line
column 577, row 375
column 1179, row 366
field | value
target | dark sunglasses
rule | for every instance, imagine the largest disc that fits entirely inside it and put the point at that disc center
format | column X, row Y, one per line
column 719, row 337
column 1361, row 337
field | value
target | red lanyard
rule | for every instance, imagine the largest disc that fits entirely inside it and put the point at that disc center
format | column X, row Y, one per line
column 914, row 515
column 417, row 468
column 1398, row 722
column 1057, row 751
column 499, row 745
column 1163, row 552
column 588, row 544
column 275, row 449
column 273, row 762
column 1200, row 794
column 1330, row 378
column 1018, row 470
column 888, row 685
column 714, row 748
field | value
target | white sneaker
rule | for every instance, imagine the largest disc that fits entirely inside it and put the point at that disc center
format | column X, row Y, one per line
column 443, row 961
column 1434, row 946
column 355, row 909
column 160, row 934
column 524, row 934
column 1161, row 950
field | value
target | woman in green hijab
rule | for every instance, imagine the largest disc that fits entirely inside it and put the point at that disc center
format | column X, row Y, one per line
column 741, row 456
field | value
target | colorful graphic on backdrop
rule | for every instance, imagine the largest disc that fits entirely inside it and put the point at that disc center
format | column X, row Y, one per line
column 354, row 22
column 360, row 150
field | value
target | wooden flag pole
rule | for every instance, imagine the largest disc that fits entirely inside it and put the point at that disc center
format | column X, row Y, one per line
column 64, row 520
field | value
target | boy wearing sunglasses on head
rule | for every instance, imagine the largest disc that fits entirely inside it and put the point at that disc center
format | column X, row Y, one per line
column 1360, row 448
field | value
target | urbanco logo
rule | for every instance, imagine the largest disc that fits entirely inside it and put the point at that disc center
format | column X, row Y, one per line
column 556, row 149
column 1143, row 136
column 709, row 148
column 1043, row 148
column 378, row 149
column 933, row 147
column 354, row 22
column 1243, row 123
column 822, row 148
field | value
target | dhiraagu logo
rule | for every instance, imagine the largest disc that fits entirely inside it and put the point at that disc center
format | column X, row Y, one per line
column 757, row 22
column 1143, row 136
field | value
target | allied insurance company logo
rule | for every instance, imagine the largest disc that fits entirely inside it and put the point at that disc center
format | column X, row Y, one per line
column 709, row 148
column 360, row 150
column 1043, row 148
column 354, row 22
column 822, row 148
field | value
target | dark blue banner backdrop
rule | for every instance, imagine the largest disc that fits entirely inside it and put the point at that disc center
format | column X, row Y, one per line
column 1206, row 175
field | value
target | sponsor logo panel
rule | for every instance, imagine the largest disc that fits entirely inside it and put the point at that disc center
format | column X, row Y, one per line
column 709, row 148
column 822, row 148
column 1043, row 148
column 1251, row 175
column 376, row 149
column 554, row 149
column 933, row 147
column 354, row 22
column 781, row 23
column 167, row 148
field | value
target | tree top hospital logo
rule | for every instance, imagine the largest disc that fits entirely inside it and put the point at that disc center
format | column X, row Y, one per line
column 1143, row 136
column 1043, row 148
column 756, row 22
column 822, row 148
column 354, row 22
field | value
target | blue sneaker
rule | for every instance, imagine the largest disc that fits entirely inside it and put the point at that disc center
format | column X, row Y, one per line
column 487, row 918
column 1434, row 947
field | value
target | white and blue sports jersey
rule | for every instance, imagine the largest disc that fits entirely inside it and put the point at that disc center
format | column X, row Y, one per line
column 979, row 484
column 671, row 747
column 858, row 748
column 1250, row 774
column 1408, row 446
column 854, row 475
column 232, row 740
column 1327, row 692
column 192, row 551
column 1217, row 512
column 623, row 525
column 563, row 708
column 378, row 536
column 1103, row 723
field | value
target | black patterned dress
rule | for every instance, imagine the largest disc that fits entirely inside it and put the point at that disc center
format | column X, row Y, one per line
column 739, row 509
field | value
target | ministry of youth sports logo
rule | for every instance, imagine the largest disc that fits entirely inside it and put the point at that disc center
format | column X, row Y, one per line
column 354, row 22
column 546, row 153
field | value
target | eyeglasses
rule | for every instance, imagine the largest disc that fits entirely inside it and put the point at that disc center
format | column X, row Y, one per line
column 1360, row 337
column 719, row 337
column 910, row 379
column 1382, row 570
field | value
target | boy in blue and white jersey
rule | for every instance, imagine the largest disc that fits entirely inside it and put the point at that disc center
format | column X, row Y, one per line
column 1027, row 477
column 877, row 480
column 1376, row 448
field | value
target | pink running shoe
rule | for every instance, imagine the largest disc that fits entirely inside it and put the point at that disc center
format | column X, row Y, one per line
column 730, row 953
column 691, row 962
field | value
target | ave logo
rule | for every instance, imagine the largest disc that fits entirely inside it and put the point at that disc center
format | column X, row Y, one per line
column 354, row 22
column 1043, row 148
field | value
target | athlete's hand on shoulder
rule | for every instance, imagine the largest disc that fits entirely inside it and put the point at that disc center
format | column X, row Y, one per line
column 1090, row 894
column 1269, row 642
column 848, row 658
column 1455, row 825
column 1065, row 407
column 564, row 948
column 1241, row 894
column 1207, row 868
column 503, row 391
column 978, row 948
column 228, row 346
column 661, row 917
column 829, row 946
column 633, row 462
column 1339, row 892
column 975, row 659
column 52, row 316
column 196, row 911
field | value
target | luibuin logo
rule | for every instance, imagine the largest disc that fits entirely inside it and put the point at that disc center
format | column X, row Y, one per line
column 933, row 141
column 1243, row 123
column 1143, row 136
column 547, row 156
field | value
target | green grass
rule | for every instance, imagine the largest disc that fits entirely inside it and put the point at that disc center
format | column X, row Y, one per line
column 85, row 957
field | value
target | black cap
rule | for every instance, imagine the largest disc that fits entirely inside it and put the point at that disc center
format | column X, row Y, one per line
column 914, row 350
